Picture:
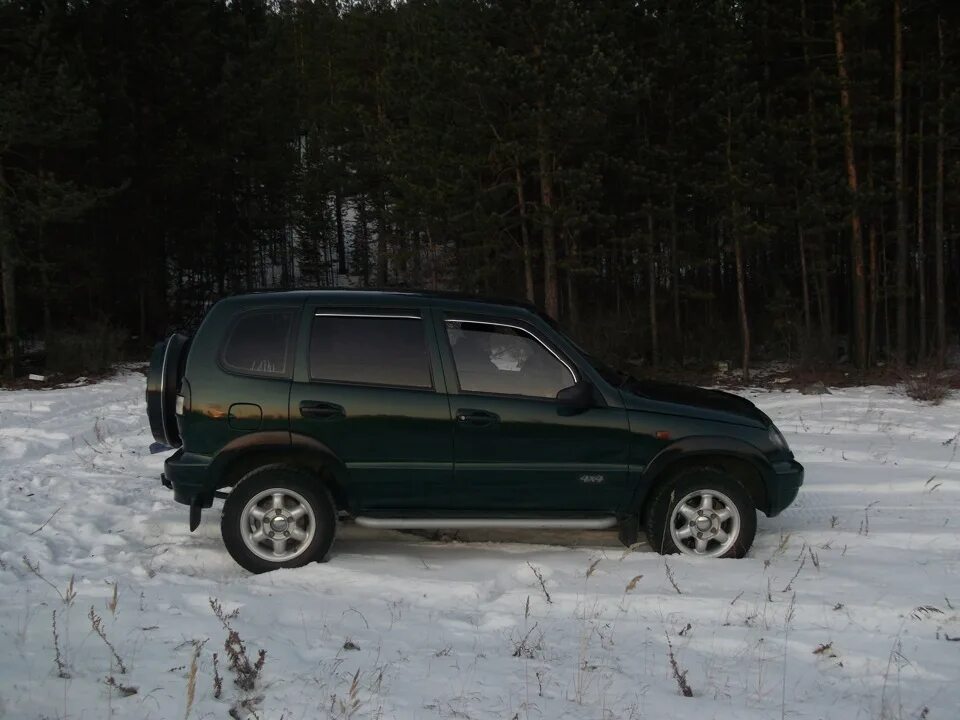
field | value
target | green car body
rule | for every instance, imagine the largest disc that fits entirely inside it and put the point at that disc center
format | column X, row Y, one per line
column 436, row 450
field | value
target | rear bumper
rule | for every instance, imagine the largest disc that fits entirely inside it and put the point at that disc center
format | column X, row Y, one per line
column 187, row 474
column 783, row 485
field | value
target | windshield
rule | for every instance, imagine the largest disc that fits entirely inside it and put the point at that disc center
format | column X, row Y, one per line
column 614, row 377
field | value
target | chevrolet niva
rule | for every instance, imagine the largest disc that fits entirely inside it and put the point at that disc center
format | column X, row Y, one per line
column 433, row 410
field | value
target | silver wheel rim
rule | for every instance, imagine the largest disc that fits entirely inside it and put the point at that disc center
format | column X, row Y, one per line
column 705, row 523
column 278, row 525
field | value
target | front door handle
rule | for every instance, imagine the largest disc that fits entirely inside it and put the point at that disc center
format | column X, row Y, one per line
column 477, row 418
column 317, row 410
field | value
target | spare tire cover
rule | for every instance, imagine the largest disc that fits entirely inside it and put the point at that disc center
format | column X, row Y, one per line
column 163, row 380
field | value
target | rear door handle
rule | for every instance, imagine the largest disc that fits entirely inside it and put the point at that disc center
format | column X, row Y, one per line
column 477, row 418
column 321, row 410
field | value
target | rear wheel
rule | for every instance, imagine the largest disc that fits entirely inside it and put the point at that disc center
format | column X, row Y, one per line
column 278, row 517
column 702, row 512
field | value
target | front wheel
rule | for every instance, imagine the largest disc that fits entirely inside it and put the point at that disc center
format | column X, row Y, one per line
column 702, row 512
column 278, row 517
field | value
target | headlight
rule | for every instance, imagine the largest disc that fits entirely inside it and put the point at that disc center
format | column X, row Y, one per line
column 776, row 438
column 178, row 408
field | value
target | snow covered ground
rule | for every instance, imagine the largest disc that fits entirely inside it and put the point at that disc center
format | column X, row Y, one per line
column 848, row 606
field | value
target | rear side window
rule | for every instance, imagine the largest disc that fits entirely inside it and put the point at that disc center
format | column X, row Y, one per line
column 259, row 343
column 369, row 350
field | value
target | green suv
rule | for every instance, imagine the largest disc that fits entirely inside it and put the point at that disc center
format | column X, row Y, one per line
column 432, row 410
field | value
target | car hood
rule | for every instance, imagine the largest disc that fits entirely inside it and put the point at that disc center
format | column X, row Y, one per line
column 654, row 396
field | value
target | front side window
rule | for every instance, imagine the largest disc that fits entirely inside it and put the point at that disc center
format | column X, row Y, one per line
column 259, row 343
column 369, row 350
column 505, row 360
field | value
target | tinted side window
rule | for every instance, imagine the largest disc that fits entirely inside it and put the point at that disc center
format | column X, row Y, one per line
column 259, row 343
column 505, row 360
column 369, row 350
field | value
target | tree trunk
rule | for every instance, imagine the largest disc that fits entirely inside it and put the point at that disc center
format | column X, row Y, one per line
column 525, row 239
column 142, row 303
column 822, row 287
column 738, row 252
column 432, row 249
column 44, row 270
column 652, row 297
column 573, row 300
column 873, row 278
column 885, row 273
column 921, row 250
column 364, row 241
column 7, row 281
column 874, row 297
column 551, row 295
column 804, row 283
column 675, row 277
column 856, row 233
column 902, row 347
column 8, row 278
column 938, row 211
column 382, row 242
column 45, row 303
column 417, row 258
column 341, row 240
column 674, row 240
column 824, row 316
column 615, row 265
column 742, row 304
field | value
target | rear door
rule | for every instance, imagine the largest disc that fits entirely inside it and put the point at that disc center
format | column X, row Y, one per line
column 368, row 384
column 516, row 450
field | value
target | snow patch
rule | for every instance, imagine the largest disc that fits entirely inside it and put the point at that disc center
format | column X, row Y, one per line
column 846, row 607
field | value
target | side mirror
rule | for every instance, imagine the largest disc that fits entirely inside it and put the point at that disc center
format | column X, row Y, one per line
column 576, row 398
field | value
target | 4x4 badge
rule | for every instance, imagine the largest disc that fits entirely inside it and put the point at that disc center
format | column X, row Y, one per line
column 592, row 479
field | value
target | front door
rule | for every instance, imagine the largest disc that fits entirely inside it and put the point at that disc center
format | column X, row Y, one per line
column 368, row 385
column 515, row 449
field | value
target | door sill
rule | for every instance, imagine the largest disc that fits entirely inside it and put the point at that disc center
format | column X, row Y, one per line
column 464, row 523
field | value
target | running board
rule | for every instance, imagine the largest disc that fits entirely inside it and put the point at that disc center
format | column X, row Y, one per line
column 383, row 523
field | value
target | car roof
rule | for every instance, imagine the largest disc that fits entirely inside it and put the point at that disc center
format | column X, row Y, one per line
column 387, row 298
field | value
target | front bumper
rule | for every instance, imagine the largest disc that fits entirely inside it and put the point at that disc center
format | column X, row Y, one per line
column 187, row 474
column 783, row 485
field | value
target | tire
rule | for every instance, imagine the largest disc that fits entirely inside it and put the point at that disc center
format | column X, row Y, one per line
column 724, row 527
column 306, row 509
column 167, row 364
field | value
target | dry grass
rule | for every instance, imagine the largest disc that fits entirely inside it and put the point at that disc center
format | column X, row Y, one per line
column 348, row 707
column 114, row 599
column 96, row 622
column 524, row 647
column 670, row 577
column 58, row 657
column 543, row 583
column 90, row 350
column 803, row 561
column 192, row 677
column 246, row 672
column 67, row 596
column 217, row 678
column 632, row 584
column 927, row 387
column 593, row 567
column 44, row 523
column 679, row 675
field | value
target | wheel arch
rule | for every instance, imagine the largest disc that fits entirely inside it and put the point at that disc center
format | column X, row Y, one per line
column 736, row 458
column 249, row 452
